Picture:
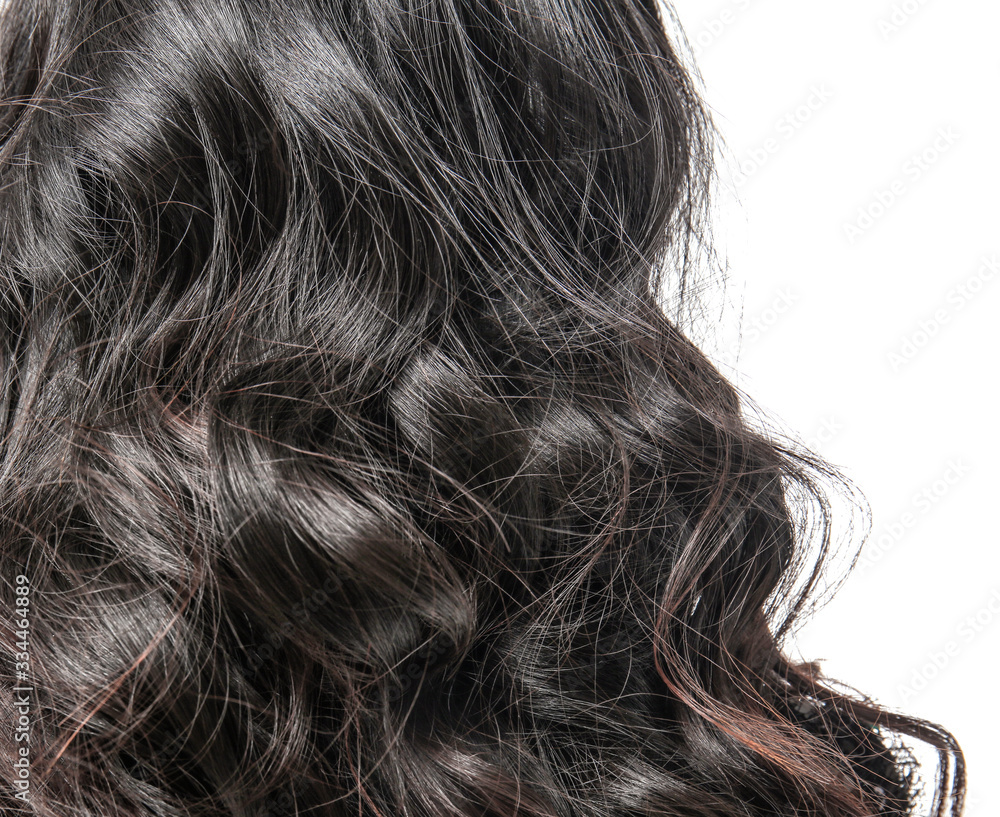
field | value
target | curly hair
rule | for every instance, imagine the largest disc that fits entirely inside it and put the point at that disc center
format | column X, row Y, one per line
column 352, row 462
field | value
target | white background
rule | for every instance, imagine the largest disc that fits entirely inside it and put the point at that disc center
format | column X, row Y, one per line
column 859, row 218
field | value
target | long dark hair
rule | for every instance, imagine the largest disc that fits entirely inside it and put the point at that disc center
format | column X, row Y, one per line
column 351, row 464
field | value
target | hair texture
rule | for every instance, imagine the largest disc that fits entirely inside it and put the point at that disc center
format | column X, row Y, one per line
column 351, row 462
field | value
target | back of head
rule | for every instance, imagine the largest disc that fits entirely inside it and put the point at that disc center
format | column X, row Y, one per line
column 349, row 463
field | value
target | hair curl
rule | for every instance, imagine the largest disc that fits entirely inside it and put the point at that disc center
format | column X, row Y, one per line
column 351, row 456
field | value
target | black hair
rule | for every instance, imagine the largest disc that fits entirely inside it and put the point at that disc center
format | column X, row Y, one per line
column 351, row 463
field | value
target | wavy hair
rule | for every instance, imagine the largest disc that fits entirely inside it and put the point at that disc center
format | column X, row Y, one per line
column 351, row 461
